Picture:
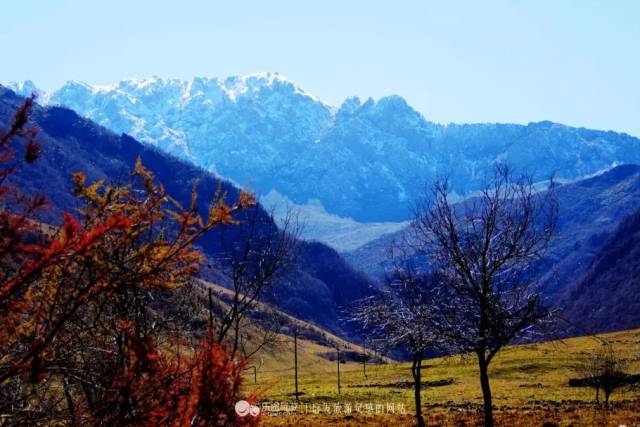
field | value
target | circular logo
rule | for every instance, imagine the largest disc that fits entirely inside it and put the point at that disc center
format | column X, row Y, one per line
column 254, row 411
column 243, row 408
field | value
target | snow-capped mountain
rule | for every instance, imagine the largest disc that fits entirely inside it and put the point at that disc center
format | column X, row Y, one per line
column 364, row 160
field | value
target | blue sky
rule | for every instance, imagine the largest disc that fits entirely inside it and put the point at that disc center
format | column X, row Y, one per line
column 575, row 62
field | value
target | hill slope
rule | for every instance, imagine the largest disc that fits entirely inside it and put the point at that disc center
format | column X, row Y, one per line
column 590, row 210
column 608, row 294
column 586, row 241
column 316, row 291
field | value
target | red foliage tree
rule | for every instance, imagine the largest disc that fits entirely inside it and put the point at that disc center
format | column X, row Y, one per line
column 78, row 337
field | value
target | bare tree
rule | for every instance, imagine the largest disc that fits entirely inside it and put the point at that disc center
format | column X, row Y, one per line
column 256, row 253
column 588, row 367
column 403, row 317
column 485, row 249
column 603, row 370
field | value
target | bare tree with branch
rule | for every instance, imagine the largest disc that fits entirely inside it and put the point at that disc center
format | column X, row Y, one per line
column 485, row 249
column 256, row 253
column 604, row 370
column 403, row 316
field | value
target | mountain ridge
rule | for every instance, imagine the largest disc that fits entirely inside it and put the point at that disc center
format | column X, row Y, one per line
column 364, row 160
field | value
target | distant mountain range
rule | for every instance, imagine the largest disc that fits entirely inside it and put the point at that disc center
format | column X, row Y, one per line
column 322, row 284
column 365, row 161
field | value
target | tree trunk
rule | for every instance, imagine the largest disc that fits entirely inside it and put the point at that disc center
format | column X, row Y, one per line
column 417, row 386
column 70, row 404
column 486, row 389
column 364, row 366
column 295, row 359
column 236, row 337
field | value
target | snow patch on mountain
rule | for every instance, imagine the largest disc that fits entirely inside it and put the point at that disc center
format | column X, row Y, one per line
column 343, row 234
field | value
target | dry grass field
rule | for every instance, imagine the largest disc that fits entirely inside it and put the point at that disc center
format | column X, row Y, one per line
column 529, row 384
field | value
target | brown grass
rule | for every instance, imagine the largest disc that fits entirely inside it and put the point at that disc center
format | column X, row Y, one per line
column 529, row 383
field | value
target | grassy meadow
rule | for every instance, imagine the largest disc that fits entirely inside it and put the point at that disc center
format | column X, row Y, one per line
column 529, row 385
